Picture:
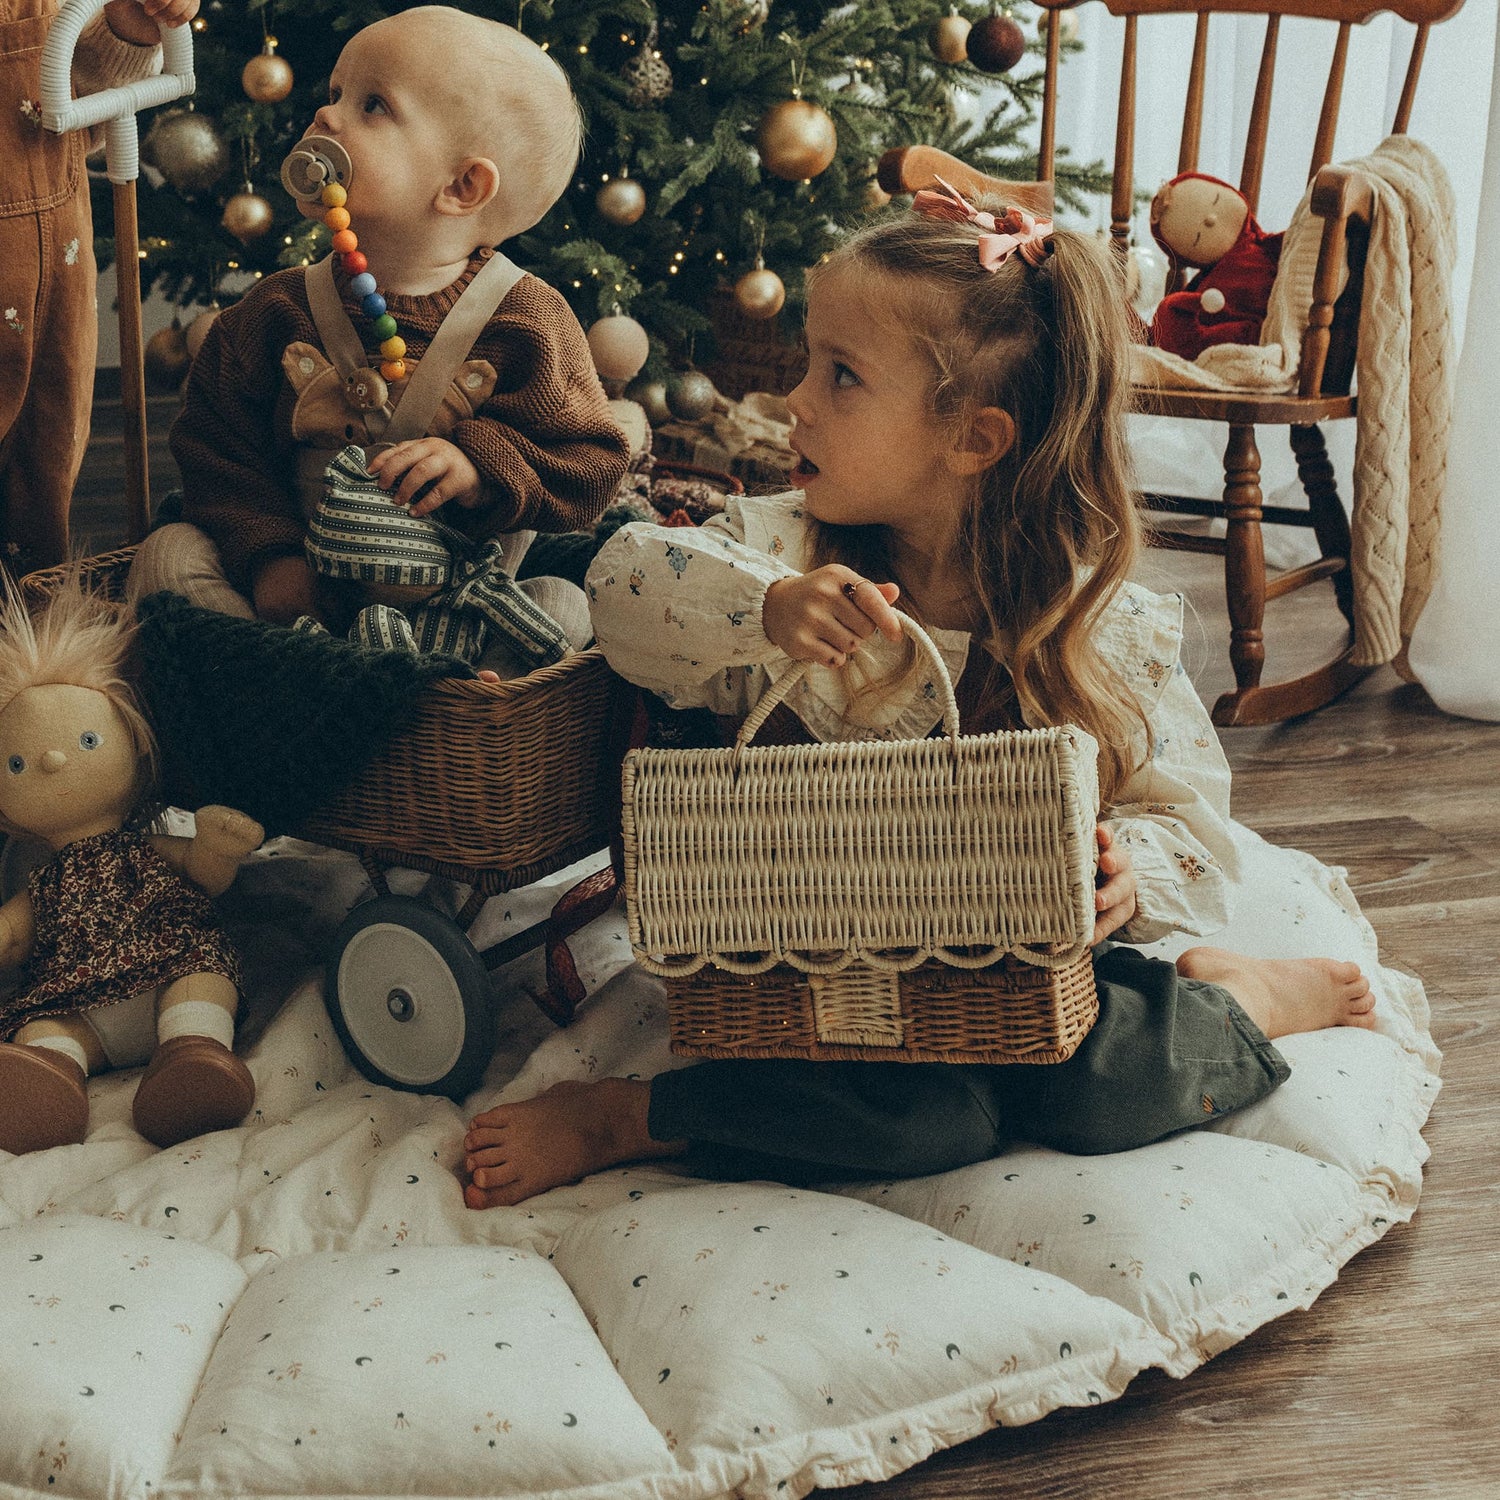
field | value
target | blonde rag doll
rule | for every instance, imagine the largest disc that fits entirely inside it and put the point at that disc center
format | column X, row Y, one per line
column 122, row 960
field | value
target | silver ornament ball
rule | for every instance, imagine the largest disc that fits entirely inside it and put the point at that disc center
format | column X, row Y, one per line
column 690, row 395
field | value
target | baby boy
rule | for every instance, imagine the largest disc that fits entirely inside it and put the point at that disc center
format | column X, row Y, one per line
column 459, row 133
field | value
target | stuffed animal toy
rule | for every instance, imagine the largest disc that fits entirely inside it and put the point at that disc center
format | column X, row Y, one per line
column 122, row 960
column 1204, row 223
column 426, row 587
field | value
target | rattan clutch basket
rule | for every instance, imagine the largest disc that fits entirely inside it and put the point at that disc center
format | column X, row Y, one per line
column 919, row 901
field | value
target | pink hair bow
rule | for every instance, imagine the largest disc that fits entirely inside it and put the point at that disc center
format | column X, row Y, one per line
column 1010, row 230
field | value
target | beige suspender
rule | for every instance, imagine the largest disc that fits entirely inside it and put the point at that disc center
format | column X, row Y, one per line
column 423, row 392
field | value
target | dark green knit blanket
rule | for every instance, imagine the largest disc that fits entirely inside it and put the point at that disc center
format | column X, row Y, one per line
column 272, row 721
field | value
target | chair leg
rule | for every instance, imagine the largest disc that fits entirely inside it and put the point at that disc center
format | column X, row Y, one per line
column 1245, row 586
column 1330, row 523
column 1244, row 558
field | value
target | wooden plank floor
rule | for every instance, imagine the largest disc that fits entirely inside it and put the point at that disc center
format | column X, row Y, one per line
column 1389, row 1386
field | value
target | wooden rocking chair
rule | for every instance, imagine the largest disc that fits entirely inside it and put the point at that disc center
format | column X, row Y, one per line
column 1327, row 366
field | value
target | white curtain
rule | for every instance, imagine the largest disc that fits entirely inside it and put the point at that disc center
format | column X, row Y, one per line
column 1456, row 651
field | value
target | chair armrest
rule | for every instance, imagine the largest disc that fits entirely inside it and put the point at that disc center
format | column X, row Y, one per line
column 1340, row 197
column 909, row 169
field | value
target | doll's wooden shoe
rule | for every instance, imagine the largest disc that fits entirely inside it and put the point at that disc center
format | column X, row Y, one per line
column 44, row 1100
column 193, row 1086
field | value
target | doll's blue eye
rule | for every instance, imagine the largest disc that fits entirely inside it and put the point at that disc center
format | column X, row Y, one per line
column 17, row 764
column 88, row 740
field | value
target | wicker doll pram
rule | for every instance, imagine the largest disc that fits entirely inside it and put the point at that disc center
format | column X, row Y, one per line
column 927, row 900
column 492, row 785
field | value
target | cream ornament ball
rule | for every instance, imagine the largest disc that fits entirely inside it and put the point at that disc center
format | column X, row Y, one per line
column 760, row 294
column 1067, row 25
column 622, row 201
column 949, row 38
column 619, row 345
column 796, row 139
column 266, row 78
column 247, row 216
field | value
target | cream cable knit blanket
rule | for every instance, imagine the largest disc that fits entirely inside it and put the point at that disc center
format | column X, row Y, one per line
column 1403, row 378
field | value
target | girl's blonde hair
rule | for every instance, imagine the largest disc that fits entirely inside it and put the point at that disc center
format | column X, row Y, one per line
column 1052, row 529
column 81, row 639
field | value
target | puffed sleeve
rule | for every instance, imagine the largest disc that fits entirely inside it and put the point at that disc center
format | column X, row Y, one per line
column 1172, row 816
column 677, row 610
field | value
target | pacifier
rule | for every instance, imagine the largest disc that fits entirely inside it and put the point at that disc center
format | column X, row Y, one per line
column 314, row 162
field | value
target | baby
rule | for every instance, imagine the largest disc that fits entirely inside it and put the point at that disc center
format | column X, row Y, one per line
column 459, row 133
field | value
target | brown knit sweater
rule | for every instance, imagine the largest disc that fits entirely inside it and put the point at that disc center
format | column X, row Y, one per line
column 544, row 442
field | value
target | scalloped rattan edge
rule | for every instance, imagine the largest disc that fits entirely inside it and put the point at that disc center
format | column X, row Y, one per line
column 1011, row 1012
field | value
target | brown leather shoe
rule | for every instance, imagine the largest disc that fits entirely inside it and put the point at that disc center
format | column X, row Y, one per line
column 193, row 1086
column 43, row 1099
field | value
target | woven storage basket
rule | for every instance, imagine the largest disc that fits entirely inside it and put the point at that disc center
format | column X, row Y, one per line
column 918, row 901
column 494, row 784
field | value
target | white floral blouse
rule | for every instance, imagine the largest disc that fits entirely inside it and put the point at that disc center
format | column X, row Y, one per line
column 678, row 611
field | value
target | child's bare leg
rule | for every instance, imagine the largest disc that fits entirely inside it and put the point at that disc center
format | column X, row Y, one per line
column 514, row 1151
column 1286, row 995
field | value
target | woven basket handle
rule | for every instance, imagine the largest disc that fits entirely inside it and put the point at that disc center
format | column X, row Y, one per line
column 777, row 691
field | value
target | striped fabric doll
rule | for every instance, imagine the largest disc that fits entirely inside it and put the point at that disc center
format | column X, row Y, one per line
column 430, row 588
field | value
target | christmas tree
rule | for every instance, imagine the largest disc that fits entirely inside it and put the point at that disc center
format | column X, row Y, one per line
column 725, row 138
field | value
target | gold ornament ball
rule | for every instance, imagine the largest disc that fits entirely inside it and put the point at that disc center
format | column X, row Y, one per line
column 166, row 358
column 197, row 330
column 187, row 149
column 759, row 293
column 266, row 78
column 690, row 395
column 874, row 197
column 622, row 201
column 652, row 396
column 619, row 346
column 1067, row 24
column 949, row 38
column 247, row 216
column 797, row 139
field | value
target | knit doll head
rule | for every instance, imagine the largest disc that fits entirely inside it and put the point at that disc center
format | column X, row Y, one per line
column 1197, row 219
column 76, row 753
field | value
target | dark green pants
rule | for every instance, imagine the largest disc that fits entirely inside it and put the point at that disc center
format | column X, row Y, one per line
column 1166, row 1053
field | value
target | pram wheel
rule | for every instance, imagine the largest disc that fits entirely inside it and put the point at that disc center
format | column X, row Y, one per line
column 410, row 998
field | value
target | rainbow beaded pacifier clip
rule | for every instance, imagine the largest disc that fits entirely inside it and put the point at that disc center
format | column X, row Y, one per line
column 319, row 169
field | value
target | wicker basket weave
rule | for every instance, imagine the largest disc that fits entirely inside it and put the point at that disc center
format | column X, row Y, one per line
column 494, row 784
column 924, row 900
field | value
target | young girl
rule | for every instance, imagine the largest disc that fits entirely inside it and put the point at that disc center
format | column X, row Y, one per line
column 961, row 445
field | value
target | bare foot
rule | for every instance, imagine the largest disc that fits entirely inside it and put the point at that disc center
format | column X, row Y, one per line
column 1286, row 995
column 514, row 1151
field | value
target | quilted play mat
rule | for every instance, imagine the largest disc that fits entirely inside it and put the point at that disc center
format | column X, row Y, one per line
column 304, row 1307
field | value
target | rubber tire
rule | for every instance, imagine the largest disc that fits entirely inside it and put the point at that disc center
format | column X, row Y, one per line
column 437, row 969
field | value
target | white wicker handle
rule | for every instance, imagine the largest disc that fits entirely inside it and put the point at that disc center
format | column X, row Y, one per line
column 777, row 691
column 115, row 108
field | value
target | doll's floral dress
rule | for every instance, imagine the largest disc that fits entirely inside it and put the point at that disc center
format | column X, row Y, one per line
column 113, row 918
